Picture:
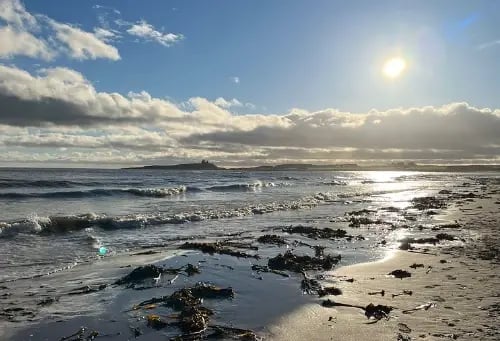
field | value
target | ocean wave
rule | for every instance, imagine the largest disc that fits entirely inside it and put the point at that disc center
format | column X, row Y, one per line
column 62, row 224
column 13, row 183
column 335, row 183
column 246, row 186
column 141, row 192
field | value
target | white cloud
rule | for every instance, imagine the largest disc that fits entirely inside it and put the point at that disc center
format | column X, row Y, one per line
column 223, row 103
column 147, row 31
column 15, row 37
column 59, row 108
column 82, row 44
column 62, row 96
column 235, row 79
column 13, row 12
column 23, row 35
column 16, row 42
column 105, row 35
column 108, row 8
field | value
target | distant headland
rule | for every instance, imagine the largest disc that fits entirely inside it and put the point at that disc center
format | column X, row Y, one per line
column 205, row 165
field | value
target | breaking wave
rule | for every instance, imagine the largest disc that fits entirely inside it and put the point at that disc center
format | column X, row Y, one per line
column 141, row 192
column 246, row 186
column 61, row 224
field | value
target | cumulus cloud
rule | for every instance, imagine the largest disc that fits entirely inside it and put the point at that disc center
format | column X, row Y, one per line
column 223, row 103
column 84, row 45
column 452, row 127
column 61, row 96
column 22, row 35
column 15, row 37
column 144, row 30
column 14, row 13
column 105, row 34
column 16, row 42
column 59, row 108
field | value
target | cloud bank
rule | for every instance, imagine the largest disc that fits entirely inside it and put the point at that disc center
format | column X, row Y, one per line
column 57, row 115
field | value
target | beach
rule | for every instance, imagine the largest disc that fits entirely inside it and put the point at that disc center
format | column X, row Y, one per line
column 452, row 294
column 307, row 269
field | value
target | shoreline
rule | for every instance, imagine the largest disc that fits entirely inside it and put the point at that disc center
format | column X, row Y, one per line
column 265, row 296
column 454, row 293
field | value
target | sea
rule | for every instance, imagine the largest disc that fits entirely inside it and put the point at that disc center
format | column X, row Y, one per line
column 83, row 222
column 53, row 219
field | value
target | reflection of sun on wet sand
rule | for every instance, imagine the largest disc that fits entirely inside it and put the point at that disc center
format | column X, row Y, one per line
column 452, row 293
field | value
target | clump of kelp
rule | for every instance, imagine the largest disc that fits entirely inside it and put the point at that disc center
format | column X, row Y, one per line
column 152, row 274
column 316, row 233
column 222, row 248
column 193, row 319
column 372, row 311
column 296, row 263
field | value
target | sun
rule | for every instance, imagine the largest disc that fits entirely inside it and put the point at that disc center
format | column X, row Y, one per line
column 394, row 67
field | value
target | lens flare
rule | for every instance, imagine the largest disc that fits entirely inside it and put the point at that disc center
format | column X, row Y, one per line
column 394, row 67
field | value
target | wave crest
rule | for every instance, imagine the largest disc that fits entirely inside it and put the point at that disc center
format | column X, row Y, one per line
column 63, row 224
column 142, row 192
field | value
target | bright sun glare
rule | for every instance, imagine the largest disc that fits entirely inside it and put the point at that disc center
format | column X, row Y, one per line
column 394, row 67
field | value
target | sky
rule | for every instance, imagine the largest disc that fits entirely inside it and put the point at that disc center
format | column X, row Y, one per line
column 123, row 82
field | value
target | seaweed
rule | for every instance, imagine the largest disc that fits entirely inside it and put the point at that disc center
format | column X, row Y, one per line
column 329, row 291
column 404, row 292
column 403, row 337
column 361, row 212
column 87, row 289
column 426, row 203
column 377, row 312
column 271, row 239
column 193, row 317
column 404, row 328
column 264, row 268
column 400, row 273
column 230, row 333
column 310, row 285
column 140, row 274
column 444, row 236
column 406, row 242
column 156, row 322
column 192, row 296
column 415, row 265
column 291, row 262
column 80, row 335
column 358, row 221
column 316, row 233
column 216, row 248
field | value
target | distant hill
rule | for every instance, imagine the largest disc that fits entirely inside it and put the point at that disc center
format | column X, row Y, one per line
column 203, row 165
column 406, row 166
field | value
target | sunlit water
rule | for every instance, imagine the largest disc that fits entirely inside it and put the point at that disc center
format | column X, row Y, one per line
column 51, row 220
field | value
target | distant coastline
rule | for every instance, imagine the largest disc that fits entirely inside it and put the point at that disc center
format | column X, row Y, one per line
column 398, row 166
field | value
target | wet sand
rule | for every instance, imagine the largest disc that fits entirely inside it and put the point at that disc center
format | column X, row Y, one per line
column 457, row 289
